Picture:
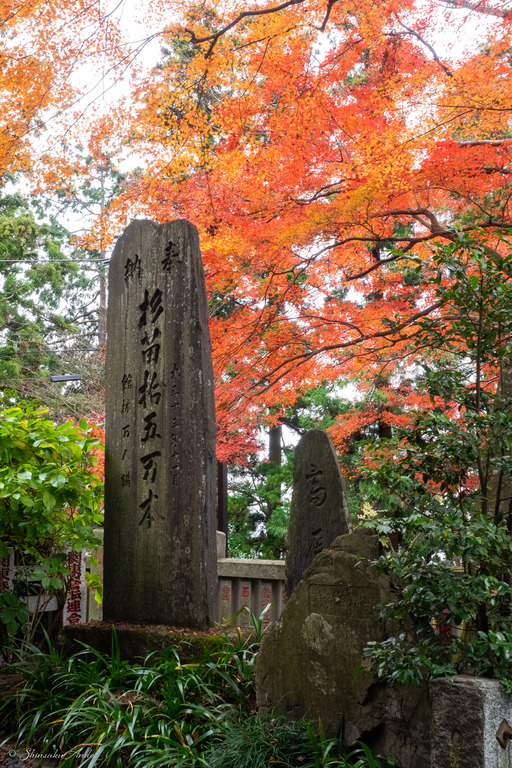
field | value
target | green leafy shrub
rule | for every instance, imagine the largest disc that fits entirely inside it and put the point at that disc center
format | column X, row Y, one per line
column 274, row 740
column 449, row 474
column 49, row 503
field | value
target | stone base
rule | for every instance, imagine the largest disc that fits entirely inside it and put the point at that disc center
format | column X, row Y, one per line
column 466, row 715
column 138, row 641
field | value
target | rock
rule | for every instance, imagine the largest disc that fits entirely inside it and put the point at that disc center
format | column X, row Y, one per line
column 306, row 664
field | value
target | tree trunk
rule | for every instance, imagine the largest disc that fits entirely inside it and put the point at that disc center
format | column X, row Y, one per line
column 274, row 444
column 500, row 484
column 274, row 455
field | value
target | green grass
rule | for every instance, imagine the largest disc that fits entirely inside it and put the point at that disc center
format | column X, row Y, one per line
column 101, row 711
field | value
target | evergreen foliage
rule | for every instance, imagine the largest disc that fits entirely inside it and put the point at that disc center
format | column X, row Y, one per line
column 50, row 499
column 448, row 475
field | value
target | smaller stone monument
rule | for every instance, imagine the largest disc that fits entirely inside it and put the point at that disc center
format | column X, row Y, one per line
column 319, row 511
column 305, row 667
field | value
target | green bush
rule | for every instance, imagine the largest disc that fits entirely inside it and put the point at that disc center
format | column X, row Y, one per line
column 448, row 473
column 259, row 742
column 153, row 713
column 49, row 503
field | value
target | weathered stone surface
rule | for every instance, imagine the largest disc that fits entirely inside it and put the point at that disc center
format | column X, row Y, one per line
column 221, row 544
column 160, row 542
column 466, row 714
column 137, row 642
column 306, row 662
column 319, row 510
column 242, row 568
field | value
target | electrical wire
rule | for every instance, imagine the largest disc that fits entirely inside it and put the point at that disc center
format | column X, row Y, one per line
column 6, row 382
column 53, row 261
column 11, row 356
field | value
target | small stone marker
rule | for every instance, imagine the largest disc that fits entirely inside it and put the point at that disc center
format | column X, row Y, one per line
column 471, row 719
column 160, row 562
column 319, row 511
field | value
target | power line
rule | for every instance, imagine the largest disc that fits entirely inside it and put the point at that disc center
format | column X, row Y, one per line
column 48, row 351
column 104, row 262
column 63, row 378
column 6, row 382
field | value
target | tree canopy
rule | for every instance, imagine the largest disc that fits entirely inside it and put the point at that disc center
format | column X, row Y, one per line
column 323, row 149
column 43, row 43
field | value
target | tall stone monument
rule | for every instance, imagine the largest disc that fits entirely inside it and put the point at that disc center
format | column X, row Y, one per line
column 319, row 511
column 160, row 562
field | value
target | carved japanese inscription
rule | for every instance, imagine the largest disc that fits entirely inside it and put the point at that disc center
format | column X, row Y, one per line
column 339, row 600
column 160, row 561
column 319, row 510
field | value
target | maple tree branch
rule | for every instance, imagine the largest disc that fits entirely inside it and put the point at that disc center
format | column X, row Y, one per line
column 328, row 13
column 438, row 231
column 213, row 38
column 482, row 142
column 348, row 277
column 470, row 108
column 331, row 61
column 10, row 16
column 479, row 7
column 334, row 321
column 310, row 355
column 427, row 45
column 440, row 124
column 255, row 42
column 496, row 169
column 303, row 357
column 410, row 242
column 435, row 227
column 326, row 191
